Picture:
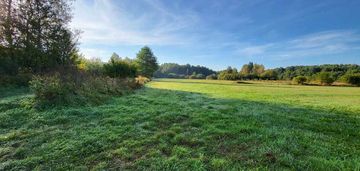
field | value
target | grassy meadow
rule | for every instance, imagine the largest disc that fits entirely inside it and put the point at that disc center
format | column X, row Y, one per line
column 176, row 124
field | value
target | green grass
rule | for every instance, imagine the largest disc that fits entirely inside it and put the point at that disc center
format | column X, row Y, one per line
column 188, row 125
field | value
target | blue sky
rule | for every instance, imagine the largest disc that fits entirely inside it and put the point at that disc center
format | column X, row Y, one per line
column 222, row 33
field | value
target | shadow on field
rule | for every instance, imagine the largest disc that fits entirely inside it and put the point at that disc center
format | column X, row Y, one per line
column 159, row 129
column 231, row 83
column 297, row 116
column 243, row 82
column 12, row 92
column 194, row 82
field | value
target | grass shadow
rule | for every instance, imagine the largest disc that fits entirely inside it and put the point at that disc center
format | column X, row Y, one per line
column 6, row 92
column 230, row 83
column 243, row 82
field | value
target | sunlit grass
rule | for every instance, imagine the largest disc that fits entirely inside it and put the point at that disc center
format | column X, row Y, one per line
column 188, row 125
column 322, row 97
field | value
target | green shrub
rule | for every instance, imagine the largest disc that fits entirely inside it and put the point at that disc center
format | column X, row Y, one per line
column 353, row 79
column 200, row 76
column 269, row 74
column 227, row 76
column 119, row 69
column 50, row 89
column 172, row 75
column 192, row 76
column 24, row 76
column 21, row 78
column 299, row 80
column 94, row 66
column 73, row 87
column 325, row 78
column 211, row 77
column 6, row 80
column 196, row 76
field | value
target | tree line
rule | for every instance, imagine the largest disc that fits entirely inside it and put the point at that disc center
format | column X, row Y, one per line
column 173, row 70
column 320, row 74
column 258, row 71
column 336, row 70
column 145, row 64
column 323, row 74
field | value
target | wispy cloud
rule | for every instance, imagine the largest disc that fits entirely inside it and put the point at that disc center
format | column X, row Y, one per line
column 321, row 43
column 325, row 39
column 207, row 31
column 109, row 22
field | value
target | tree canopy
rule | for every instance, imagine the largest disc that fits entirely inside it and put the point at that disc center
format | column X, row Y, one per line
column 324, row 74
column 35, row 35
column 146, row 62
column 173, row 70
column 336, row 70
column 119, row 68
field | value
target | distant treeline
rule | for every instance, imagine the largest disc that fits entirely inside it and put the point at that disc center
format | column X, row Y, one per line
column 316, row 74
column 322, row 74
column 336, row 70
column 173, row 70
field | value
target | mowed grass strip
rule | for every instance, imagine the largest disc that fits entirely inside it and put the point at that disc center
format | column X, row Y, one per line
column 188, row 125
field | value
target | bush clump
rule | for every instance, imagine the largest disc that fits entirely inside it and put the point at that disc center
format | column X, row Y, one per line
column 353, row 79
column 119, row 69
column 211, row 77
column 325, row 78
column 50, row 89
column 299, row 80
column 227, row 76
column 79, row 88
column 196, row 76
column 20, row 78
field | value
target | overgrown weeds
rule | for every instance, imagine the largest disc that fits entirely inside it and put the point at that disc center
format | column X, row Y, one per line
column 74, row 87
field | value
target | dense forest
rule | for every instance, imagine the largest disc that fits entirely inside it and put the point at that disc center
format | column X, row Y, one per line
column 336, row 70
column 321, row 74
column 173, row 70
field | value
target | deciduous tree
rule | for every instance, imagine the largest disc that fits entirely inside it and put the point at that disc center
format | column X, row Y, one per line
column 146, row 62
